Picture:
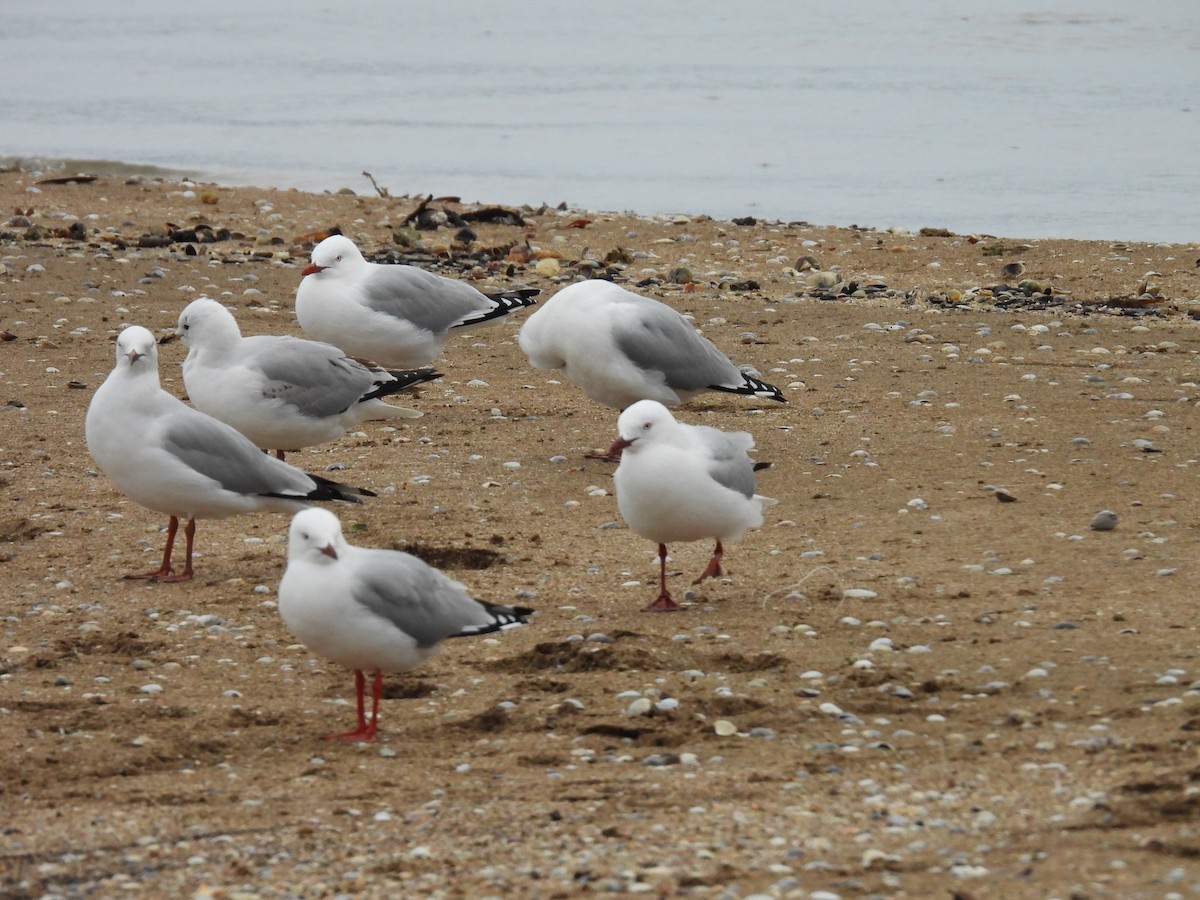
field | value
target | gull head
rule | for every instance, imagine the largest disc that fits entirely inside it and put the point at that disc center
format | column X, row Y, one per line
column 646, row 421
column 136, row 343
column 336, row 252
column 204, row 320
column 315, row 535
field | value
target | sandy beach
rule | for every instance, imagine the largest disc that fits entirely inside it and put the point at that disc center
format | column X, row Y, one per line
column 941, row 679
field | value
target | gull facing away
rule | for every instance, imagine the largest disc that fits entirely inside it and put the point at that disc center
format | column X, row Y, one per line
column 396, row 315
column 282, row 392
column 619, row 347
column 679, row 482
column 170, row 458
column 374, row 610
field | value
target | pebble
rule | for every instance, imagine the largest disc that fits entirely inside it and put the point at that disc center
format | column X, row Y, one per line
column 662, row 759
column 1105, row 520
column 640, row 707
column 858, row 594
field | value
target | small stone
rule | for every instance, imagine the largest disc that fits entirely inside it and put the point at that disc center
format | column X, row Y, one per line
column 639, row 707
column 1105, row 520
column 858, row 594
column 661, row 759
column 724, row 728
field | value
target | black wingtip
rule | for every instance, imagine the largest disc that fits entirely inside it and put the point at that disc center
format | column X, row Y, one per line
column 503, row 617
column 333, row 490
column 506, row 302
column 408, row 377
column 405, row 378
column 517, row 296
column 752, row 387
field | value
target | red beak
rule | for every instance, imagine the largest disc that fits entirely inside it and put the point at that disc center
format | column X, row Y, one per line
column 618, row 445
column 329, row 551
column 312, row 269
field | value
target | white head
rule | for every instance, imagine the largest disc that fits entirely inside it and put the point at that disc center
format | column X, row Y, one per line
column 315, row 535
column 205, row 322
column 336, row 252
column 644, row 421
column 137, row 349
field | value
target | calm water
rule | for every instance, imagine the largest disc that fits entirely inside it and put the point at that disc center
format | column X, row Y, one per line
column 1073, row 119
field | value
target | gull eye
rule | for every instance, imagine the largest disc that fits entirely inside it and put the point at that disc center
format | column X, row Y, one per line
column 646, row 427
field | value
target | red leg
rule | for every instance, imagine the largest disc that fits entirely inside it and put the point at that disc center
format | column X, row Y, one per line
column 189, row 534
column 376, row 694
column 165, row 569
column 364, row 731
column 662, row 603
column 714, row 565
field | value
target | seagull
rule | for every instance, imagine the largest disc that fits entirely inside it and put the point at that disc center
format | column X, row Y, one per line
column 168, row 457
column 619, row 347
column 395, row 315
column 374, row 610
column 283, row 393
column 679, row 482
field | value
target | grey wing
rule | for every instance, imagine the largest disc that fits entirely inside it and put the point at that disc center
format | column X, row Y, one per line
column 415, row 597
column 225, row 455
column 429, row 301
column 316, row 378
column 659, row 339
column 729, row 464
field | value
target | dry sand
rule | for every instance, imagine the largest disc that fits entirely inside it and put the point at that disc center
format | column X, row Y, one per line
column 934, row 693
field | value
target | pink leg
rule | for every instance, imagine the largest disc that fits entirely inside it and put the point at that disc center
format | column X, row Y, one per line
column 714, row 565
column 662, row 603
column 165, row 569
column 189, row 534
column 364, row 731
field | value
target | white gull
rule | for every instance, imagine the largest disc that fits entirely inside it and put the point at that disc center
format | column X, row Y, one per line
column 374, row 610
column 395, row 315
column 680, row 482
column 619, row 347
column 170, row 458
column 282, row 392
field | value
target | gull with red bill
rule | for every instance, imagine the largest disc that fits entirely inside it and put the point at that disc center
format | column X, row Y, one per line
column 680, row 482
column 375, row 611
column 173, row 459
column 283, row 392
column 394, row 315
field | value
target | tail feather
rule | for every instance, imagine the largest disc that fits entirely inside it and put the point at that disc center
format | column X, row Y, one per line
column 752, row 386
column 505, row 302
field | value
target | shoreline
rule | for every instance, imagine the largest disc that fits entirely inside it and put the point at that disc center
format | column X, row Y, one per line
column 365, row 185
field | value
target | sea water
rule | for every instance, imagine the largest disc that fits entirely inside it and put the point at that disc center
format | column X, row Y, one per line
column 1039, row 119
